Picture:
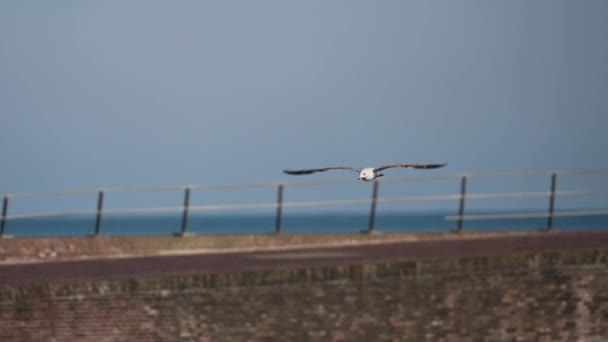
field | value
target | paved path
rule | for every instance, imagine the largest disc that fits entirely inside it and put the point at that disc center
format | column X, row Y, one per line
column 238, row 261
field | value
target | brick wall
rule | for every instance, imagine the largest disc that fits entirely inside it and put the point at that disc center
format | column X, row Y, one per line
column 533, row 297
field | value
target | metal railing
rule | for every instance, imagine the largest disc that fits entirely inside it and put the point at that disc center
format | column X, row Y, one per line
column 186, row 208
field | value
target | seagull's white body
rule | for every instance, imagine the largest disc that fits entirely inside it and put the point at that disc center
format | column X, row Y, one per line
column 365, row 174
column 369, row 174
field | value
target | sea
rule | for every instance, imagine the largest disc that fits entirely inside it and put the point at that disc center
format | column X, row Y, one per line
column 307, row 223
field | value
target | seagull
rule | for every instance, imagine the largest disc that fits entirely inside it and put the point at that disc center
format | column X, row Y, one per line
column 365, row 174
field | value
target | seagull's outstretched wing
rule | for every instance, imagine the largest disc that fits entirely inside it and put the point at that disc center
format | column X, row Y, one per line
column 311, row 171
column 411, row 166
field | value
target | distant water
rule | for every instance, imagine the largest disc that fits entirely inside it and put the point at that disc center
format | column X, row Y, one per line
column 294, row 223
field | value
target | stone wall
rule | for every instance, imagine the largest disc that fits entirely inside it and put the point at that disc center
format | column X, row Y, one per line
column 532, row 297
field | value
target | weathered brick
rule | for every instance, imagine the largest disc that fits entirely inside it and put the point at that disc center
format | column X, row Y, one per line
column 534, row 297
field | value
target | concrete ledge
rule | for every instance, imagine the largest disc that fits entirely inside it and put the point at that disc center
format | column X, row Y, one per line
column 25, row 250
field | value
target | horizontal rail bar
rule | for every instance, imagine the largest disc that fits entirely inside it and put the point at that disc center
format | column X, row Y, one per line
column 223, row 207
column 581, row 192
column 527, row 215
column 52, row 193
column 419, row 178
column 143, row 210
column 141, row 189
column 303, row 183
column 236, row 186
column 220, row 207
column 58, row 214
column 531, row 194
column 94, row 212
column 536, row 173
column 581, row 172
column 306, row 204
column 194, row 187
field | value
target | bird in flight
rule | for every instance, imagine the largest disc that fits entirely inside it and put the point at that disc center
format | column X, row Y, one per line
column 365, row 174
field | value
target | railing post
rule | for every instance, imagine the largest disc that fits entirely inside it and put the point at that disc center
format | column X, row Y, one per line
column 99, row 210
column 4, row 216
column 372, row 214
column 185, row 213
column 552, row 201
column 279, row 221
column 463, row 195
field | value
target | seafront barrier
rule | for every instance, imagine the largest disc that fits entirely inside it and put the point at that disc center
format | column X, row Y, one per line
column 461, row 211
column 545, row 295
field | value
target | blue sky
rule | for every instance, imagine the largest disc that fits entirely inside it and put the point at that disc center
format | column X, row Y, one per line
column 125, row 93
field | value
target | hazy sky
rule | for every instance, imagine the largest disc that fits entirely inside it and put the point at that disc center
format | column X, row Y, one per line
column 109, row 93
